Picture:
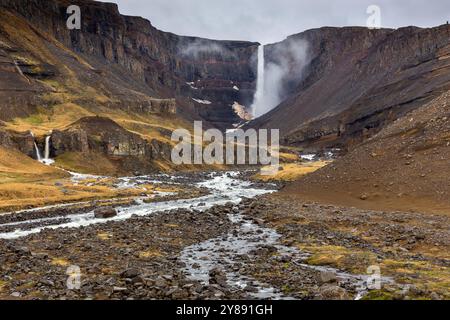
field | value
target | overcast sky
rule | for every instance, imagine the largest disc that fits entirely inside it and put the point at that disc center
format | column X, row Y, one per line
column 269, row 21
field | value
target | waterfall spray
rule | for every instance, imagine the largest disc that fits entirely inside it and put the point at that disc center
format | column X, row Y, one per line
column 258, row 100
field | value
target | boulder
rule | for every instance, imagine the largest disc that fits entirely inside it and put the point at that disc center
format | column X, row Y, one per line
column 327, row 277
column 105, row 213
column 330, row 292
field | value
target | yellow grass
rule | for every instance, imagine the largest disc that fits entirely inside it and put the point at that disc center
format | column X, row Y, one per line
column 153, row 253
column 25, row 182
column 292, row 171
column 104, row 236
column 60, row 262
column 89, row 163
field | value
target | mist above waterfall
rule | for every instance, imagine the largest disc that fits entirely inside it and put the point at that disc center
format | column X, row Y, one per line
column 287, row 62
column 203, row 48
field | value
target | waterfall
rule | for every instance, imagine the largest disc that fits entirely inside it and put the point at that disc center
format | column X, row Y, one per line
column 47, row 159
column 38, row 153
column 257, row 107
column 47, row 148
column 36, row 148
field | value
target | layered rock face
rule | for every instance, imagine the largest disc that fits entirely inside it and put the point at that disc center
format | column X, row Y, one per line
column 358, row 81
column 98, row 134
column 135, row 55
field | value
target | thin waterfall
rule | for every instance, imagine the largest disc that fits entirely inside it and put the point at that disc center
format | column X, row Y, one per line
column 36, row 148
column 38, row 153
column 257, row 107
column 47, row 148
column 47, row 159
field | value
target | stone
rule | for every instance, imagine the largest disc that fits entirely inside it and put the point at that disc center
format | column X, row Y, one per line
column 327, row 277
column 105, row 213
column 130, row 273
column 329, row 292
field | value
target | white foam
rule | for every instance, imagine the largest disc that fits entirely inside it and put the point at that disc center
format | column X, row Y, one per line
column 224, row 188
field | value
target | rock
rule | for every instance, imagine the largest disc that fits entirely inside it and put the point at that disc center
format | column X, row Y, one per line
column 130, row 273
column 216, row 276
column 364, row 197
column 329, row 292
column 327, row 277
column 435, row 296
column 119, row 289
column 105, row 213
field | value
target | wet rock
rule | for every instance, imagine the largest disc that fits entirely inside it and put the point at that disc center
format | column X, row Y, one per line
column 105, row 213
column 216, row 276
column 327, row 277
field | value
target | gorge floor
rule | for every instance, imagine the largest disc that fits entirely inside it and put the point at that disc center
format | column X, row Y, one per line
column 220, row 245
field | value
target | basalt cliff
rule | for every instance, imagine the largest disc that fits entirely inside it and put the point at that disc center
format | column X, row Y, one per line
column 357, row 81
column 148, row 81
column 351, row 83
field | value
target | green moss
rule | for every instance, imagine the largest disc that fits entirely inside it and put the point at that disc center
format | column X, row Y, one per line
column 378, row 295
column 35, row 119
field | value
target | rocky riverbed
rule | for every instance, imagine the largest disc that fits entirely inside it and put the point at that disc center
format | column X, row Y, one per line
column 215, row 244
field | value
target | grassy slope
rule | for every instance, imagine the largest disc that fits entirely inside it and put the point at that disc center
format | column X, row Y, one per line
column 26, row 183
column 67, row 97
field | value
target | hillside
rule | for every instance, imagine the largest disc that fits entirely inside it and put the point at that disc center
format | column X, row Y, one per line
column 404, row 167
column 147, row 81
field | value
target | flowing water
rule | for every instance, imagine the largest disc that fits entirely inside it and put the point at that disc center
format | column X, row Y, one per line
column 199, row 259
column 224, row 188
column 46, row 160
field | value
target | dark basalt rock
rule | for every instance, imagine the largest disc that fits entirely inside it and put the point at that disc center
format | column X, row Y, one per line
column 133, row 61
column 105, row 213
column 357, row 82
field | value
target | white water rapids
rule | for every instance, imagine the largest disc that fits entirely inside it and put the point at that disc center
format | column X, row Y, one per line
column 224, row 188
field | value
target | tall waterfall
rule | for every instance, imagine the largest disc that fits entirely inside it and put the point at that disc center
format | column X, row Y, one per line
column 257, row 107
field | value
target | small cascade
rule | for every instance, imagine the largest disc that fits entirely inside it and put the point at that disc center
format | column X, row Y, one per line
column 36, row 148
column 38, row 153
column 47, row 159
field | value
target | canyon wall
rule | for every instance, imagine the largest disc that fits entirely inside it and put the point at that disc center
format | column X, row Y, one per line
column 144, row 59
column 357, row 81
